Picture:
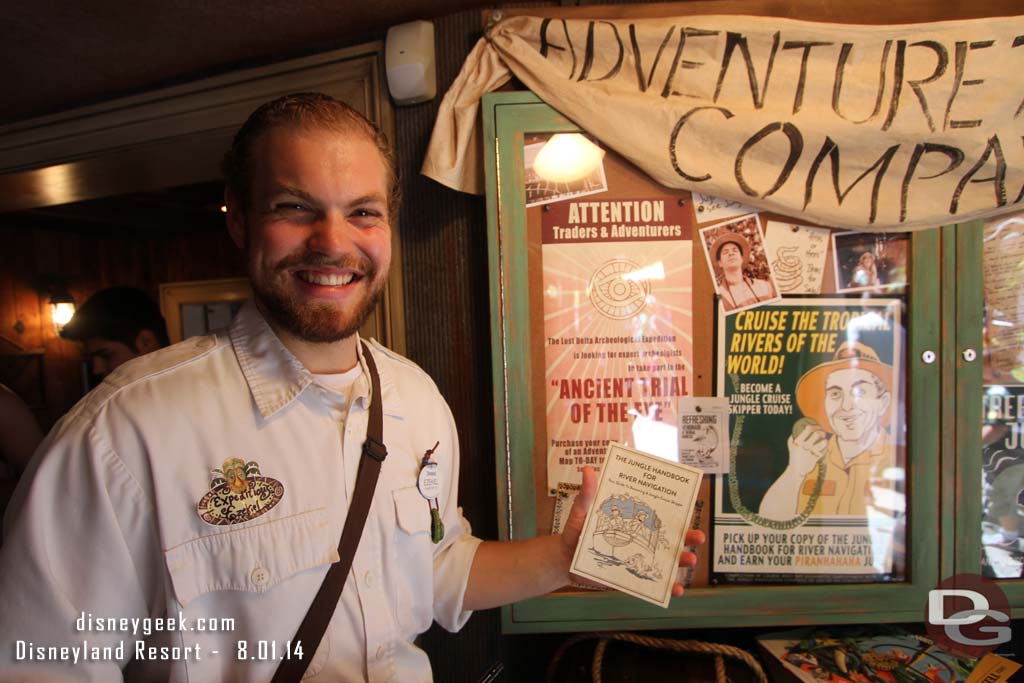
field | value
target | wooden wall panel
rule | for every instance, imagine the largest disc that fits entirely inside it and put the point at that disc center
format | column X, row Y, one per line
column 89, row 261
column 444, row 255
column 20, row 327
column 444, row 251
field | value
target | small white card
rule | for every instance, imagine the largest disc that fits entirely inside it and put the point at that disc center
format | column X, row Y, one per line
column 636, row 525
column 797, row 254
column 704, row 433
column 707, row 209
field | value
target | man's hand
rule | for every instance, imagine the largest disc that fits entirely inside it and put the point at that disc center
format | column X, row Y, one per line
column 806, row 449
column 578, row 515
column 807, row 446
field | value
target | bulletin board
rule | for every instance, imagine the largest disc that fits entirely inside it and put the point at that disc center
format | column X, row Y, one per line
column 606, row 366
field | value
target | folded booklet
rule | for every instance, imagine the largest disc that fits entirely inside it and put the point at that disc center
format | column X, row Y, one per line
column 636, row 524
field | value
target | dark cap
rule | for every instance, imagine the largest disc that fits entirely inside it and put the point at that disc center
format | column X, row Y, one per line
column 117, row 314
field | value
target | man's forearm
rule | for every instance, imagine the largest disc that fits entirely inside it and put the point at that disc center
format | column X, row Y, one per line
column 505, row 572
column 780, row 500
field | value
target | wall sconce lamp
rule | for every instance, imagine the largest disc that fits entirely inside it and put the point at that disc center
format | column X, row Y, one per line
column 566, row 158
column 62, row 304
column 62, row 308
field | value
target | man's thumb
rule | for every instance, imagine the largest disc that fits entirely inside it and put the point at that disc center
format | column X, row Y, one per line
column 578, row 513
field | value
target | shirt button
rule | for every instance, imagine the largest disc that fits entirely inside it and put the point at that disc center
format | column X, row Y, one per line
column 260, row 577
column 368, row 579
column 380, row 652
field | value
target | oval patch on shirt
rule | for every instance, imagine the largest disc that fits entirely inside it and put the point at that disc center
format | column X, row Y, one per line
column 238, row 493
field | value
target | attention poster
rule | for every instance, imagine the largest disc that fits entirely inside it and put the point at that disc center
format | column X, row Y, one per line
column 618, row 328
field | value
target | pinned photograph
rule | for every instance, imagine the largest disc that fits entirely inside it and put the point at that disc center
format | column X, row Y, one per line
column 739, row 263
column 870, row 261
column 563, row 166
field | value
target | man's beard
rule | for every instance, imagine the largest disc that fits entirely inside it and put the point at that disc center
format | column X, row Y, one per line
column 318, row 323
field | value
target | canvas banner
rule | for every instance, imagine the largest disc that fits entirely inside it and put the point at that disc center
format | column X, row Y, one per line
column 870, row 127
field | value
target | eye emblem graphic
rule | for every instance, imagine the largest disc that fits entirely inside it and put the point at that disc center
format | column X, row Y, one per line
column 614, row 293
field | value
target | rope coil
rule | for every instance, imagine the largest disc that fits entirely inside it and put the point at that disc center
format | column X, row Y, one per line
column 719, row 652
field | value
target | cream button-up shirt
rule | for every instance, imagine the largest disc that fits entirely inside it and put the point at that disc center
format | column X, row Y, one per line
column 106, row 526
column 850, row 488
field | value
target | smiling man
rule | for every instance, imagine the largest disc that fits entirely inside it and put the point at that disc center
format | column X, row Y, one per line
column 846, row 403
column 210, row 481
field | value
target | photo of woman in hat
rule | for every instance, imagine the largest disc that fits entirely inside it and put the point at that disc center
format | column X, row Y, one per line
column 870, row 262
column 739, row 268
column 866, row 273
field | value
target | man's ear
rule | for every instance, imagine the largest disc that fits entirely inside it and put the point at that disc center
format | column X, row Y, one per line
column 235, row 218
column 146, row 342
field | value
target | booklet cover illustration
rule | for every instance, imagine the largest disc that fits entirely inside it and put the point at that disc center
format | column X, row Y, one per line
column 635, row 527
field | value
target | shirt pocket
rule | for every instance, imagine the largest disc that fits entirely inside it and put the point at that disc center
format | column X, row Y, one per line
column 415, row 561
column 254, row 559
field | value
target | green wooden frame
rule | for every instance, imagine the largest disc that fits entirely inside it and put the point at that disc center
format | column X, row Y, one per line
column 964, row 286
column 506, row 118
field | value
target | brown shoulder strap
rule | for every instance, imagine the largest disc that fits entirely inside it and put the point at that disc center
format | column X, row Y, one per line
column 313, row 627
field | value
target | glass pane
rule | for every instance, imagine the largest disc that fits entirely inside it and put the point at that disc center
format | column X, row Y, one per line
column 816, row 491
column 647, row 296
column 1002, row 448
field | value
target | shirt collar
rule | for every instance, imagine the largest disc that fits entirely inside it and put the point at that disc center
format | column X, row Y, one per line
column 876, row 450
column 274, row 375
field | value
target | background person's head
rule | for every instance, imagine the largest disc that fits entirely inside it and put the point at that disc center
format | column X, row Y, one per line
column 310, row 192
column 115, row 325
